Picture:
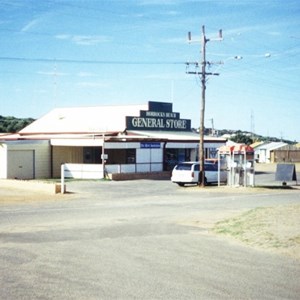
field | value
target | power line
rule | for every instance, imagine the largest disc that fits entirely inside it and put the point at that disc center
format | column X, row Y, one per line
column 82, row 61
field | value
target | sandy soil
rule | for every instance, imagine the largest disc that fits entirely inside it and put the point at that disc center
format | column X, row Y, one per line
column 12, row 191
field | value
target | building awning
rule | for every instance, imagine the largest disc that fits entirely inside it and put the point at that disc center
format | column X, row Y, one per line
column 175, row 136
column 77, row 142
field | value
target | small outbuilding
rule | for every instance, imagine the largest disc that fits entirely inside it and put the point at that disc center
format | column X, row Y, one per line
column 25, row 159
column 287, row 154
column 264, row 153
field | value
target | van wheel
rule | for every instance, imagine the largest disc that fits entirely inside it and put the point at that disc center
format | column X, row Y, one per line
column 180, row 183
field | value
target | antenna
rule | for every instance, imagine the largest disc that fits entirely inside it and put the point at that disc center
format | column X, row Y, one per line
column 55, row 85
column 252, row 125
column 220, row 34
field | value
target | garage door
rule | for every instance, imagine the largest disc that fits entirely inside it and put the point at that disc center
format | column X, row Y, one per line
column 20, row 164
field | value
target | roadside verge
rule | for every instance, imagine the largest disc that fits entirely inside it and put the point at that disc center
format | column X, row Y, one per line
column 271, row 228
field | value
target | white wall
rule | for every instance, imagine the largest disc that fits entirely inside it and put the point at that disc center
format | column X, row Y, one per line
column 149, row 160
column 121, row 168
column 41, row 158
column 83, row 171
column 3, row 161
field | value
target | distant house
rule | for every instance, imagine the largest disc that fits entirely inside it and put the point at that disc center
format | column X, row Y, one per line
column 264, row 153
column 288, row 153
column 256, row 144
column 128, row 139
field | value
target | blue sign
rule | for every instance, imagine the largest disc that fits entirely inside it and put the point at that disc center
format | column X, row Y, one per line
column 150, row 145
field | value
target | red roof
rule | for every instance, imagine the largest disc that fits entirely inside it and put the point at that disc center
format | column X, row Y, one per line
column 239, row 148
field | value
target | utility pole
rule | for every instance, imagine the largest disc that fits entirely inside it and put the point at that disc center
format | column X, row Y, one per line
column 203, row 74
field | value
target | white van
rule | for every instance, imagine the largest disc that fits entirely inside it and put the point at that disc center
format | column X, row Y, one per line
column 189, row 172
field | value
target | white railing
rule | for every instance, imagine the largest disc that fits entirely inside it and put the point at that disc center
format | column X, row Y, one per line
column 95, row 171
column 134, row 168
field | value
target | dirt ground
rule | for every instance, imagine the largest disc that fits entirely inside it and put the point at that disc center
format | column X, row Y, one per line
column 274, row 229
column 23, row 191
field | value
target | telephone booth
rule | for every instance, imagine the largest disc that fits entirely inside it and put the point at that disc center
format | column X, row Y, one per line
column 240, row 164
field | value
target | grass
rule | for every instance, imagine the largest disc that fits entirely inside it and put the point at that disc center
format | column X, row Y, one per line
column 266, row 227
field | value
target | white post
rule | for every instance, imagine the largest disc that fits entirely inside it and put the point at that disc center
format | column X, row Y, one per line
column 102, row 155
column 219, row 167
column 253, row 174
column 245, row 169
column 62, row 178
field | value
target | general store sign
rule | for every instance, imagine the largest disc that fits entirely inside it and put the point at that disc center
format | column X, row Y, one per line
column 160, row 116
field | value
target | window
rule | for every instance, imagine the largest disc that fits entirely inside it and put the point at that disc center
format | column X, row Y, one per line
column 184, row 167
column 92, row 155
column 173, row 156
column 197, row 167
column 121, row 156
column 130, row 156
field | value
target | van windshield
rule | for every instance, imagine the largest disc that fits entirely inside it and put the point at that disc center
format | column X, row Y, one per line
column 184, row 167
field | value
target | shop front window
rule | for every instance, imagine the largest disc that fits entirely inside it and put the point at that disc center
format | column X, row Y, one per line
column 174, row 156
column 130, row 156
column 121, row 156
column 92, row 155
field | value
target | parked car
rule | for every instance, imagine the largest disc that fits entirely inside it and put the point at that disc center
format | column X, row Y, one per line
column 189, row 173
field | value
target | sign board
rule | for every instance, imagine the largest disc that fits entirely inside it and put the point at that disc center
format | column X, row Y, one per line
column 286, row 172
column 104, row 156
column 150, row 145
column 159, row 116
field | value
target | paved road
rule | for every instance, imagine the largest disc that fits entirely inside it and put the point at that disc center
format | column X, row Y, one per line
column 134, row 240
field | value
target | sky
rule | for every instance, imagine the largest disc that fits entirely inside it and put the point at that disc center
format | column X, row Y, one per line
column 67, row 53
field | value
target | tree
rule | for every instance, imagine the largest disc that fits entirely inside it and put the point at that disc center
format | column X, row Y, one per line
column 242, row 139
column 12, row 124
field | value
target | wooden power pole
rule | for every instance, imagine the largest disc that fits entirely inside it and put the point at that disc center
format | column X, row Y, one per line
column 203, row 74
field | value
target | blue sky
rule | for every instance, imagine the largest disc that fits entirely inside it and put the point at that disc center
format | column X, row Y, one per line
column 63, row 53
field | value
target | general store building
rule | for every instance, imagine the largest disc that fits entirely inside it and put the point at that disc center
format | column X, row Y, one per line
column 129, row 139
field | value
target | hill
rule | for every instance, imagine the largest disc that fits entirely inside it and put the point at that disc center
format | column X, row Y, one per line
column 12, row 124
column 244, row 137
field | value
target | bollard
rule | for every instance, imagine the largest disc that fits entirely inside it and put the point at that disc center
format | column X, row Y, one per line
column 62, row 179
